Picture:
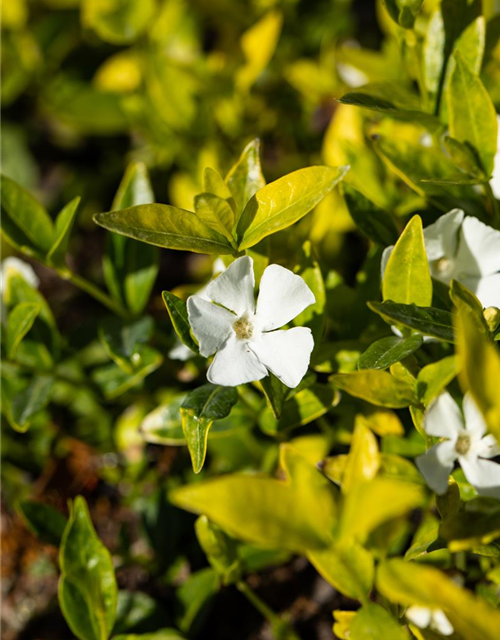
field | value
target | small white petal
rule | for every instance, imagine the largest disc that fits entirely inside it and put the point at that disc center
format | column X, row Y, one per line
column 234, row 288
column 282, row 296
column 235, row 364
column 180, row 352
column 443, row 418
column 484, row 475
column 440, row 623
column 210, row 323
column 385, row 259
column 15, row 265
column 419, row 616
column 441, row 237
column 437, row 464
column 487, row 447
column 478, row 249
column 486, row 288
column 285, row 353
column 474, row 421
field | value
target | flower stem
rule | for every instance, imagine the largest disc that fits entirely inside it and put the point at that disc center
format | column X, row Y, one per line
column 94, row 291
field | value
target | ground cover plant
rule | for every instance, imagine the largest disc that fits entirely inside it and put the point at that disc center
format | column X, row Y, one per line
column 250, row 320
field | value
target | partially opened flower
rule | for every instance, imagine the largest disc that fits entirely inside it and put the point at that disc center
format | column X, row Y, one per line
column 15, row 266
column 466, row 442
column 226, row 321
column 495, row 178
column 463, row 248
column 434, row 619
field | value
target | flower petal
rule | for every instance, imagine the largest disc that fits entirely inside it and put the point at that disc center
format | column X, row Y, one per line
column 234, row 287
column 484, row 475
column 441, row 237
column 235, row 364
column 210, row 324
column 419, row 616
column 474, row 421
column 443, row 418
column 478, row 249
column 437, row 464
column 440, row 623
column 487, row 447
column 486, row 288
column 385, row 259
column 282, row 296
column 285, row 353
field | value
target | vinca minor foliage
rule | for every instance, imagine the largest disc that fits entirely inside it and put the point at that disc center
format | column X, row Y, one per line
column 293, row 358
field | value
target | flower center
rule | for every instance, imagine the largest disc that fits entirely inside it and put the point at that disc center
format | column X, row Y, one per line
column 462, row 445
column 243, row 328
column 442, row 265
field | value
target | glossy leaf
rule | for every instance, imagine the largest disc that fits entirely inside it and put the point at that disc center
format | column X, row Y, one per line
column 284, row 201
column 28, row 402
column 348, row 567
column 426, row 320
column 385, row 352
column 434, row 378
column 370, row 220
column 373, row 622
column 245, row 177
column 466, row 303
column 363, row 461
column 123, row 340
column 276, row 394
column 411, row 583
column 258, row 44
column 198, row 411
column 472, row 115
column 377, row 387
column 407, row 278
column 177, row 311
column 165, row 226
column 296, row 514
column 46, row 522
column 216, row 213
column 479, row 363
column 87, row 589
column 25, row 223
column 213, row 183
column 63, row 227
column 20, row 321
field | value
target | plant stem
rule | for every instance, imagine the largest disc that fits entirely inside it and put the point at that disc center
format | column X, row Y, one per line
column 97, row 293
column 494, row 208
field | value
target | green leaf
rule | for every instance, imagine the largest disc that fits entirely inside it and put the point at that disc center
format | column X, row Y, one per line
column 245, row 177
column 426, row 320
column 20, row 321
column 479, row 363
column 472, row 115
column 161, row 634
column 118, row 21
column 193, row 595
column 163, row 425
column 44, row 521
column 377, row 387
column 476, row 524
column 64, row 224
column 87, row 589
column 404, row 13
column 371, row 504
column 309, row 270
column 216, row 213
column 407, row 278
column 276, row 394
column 214, row 184
column 198, row 411
column 25, row 223
column 387, row 351
column 466, row 303
column 30, row 401
column 130, row 267
column 464, row 158
column 363, row 461
column 113, row 380
column 123, row 340
column 284, row 201
column 434, row 378
column 165, row 226
column 374, row 223
column 177, row 311
column 348, row 567
column 411, row 583
column 296, row 514
column 373, row 622
column 258, row 44
column 220, row 549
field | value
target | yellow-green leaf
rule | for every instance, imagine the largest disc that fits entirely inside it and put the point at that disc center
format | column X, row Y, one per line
column 363, row 460
column 378, row 387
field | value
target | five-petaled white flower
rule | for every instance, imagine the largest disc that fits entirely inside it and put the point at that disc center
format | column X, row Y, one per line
column 465, row 441
column 226, row 321
column 463, row 248
column 434, row 619
column 495, row 178
column 13, row 265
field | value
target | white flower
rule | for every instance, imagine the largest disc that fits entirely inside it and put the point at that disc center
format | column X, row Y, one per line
column 243, row 335
column 11, row 266
column 495, row 178
column 465, row 441
column 435, row 619
column 463, row 248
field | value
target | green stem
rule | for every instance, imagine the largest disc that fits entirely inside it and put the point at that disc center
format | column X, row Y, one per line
column 493, row 202
column 97, row 293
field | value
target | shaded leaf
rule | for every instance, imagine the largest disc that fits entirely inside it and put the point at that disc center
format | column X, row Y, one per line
column 426, row 320
column 385, row 352
column 20, row 321
column 46, row 522
column 177, row 311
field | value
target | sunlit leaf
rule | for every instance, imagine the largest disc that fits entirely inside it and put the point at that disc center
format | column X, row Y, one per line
column 377, row 387
column 385, row 352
